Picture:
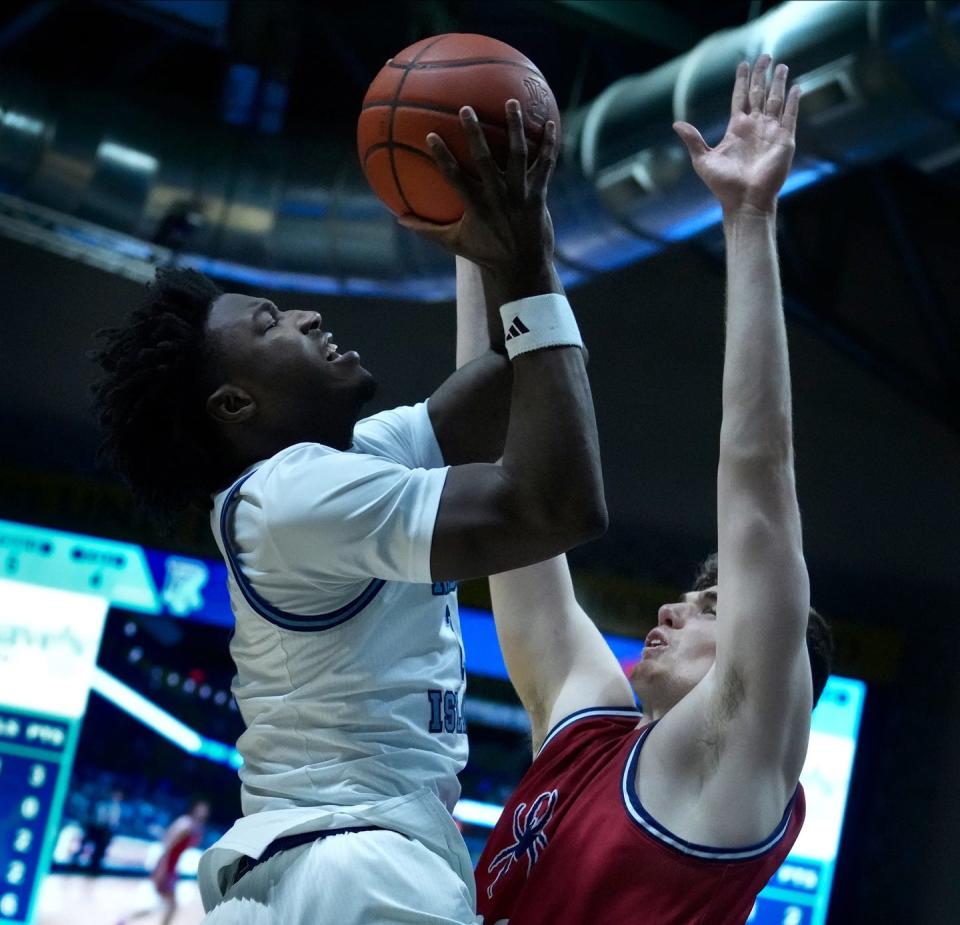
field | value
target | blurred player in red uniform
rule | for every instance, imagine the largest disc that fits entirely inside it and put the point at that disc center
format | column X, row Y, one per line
column 680, row 815
column 183, row 833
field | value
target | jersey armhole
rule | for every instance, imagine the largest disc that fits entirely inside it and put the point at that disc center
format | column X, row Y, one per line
column 638, row 813
column 587, row 713
column 262, row 607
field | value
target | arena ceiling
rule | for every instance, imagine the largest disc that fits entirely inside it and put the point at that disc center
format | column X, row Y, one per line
column 871, row 276
column 174, row 53
column 868, row 262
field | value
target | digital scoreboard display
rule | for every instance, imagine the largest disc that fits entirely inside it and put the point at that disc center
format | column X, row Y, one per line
column 98, row 639
column 49, row 640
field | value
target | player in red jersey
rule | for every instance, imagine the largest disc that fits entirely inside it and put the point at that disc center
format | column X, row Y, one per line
column 183, row 833
column 679, row 815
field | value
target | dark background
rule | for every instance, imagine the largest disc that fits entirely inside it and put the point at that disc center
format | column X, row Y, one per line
column 876, row 418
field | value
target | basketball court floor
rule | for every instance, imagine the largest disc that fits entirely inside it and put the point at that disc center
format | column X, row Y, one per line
column 74, row 899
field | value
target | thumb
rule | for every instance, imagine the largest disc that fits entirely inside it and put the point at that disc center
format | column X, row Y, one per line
column 691, row 138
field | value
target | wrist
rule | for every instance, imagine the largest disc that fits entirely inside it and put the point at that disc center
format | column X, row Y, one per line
column 748, row 213
column 521, row 279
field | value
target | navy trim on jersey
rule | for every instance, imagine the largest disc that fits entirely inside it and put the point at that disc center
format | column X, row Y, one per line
column 283, row 618
column 287, row 842
column 650, row 825
column 586, row 714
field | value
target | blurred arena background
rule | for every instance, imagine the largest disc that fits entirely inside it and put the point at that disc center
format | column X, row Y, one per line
column 220, row 135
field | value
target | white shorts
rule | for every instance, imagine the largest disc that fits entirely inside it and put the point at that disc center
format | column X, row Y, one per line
column 355, row 878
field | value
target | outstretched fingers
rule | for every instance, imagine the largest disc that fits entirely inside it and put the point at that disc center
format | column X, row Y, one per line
column 516, row 172
column 542, row 169
column 740, row 96
column 758, row 80
column 790, row 110
column 479, row 149
column 777, row 93
column 448, row 165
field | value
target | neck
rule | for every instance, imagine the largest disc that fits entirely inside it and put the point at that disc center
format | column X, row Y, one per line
column 247, row 448
column 655, row 709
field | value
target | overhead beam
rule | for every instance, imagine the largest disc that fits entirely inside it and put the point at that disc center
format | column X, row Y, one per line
column 650, row 20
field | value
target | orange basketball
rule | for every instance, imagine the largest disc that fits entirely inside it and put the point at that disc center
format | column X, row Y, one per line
column 421, row 90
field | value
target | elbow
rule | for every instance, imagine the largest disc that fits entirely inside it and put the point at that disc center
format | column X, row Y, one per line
column 595, row 521
column 582, row 520
column 556, row 521
column 743, row 443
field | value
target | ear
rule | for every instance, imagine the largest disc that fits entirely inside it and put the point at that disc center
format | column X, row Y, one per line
column 230, row 404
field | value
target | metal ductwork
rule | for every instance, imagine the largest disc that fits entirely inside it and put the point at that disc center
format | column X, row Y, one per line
column 106, row 183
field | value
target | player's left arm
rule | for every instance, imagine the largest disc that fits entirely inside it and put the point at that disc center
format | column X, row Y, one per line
column 761, row 689
column 470, row 410
column 556, row 657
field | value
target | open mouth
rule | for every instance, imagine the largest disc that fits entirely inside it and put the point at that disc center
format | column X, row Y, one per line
column 329, row 348
column 655, row 640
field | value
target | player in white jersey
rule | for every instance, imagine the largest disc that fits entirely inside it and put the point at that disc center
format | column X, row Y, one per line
column 344, row 541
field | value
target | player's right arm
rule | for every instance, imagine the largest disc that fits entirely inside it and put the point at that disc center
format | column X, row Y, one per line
column 556, row 658
column 546, row 496
column 340, row 519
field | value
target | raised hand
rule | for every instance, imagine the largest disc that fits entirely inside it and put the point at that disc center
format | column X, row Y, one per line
column 505, row 221
column 748, row 167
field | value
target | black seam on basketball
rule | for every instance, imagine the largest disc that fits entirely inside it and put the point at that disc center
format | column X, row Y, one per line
column 426, row 107
column 447, row 110
column 464, row 62
column 402, row 146
column 398, row 146
column 393, row 112
column 429, row 107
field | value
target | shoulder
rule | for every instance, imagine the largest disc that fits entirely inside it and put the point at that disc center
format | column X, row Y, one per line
column 403, row 434
column 306, row 470
column 707, row 782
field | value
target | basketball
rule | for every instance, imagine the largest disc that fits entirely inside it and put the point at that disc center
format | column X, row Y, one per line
column 421, row 90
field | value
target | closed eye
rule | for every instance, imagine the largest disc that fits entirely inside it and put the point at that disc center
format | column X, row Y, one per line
column 708, row 602
column 271, row 311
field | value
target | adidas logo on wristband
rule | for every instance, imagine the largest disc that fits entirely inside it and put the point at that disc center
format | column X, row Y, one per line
column 517, row 327
column 547, row 322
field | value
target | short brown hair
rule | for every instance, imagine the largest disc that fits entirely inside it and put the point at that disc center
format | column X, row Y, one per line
column 819, row 636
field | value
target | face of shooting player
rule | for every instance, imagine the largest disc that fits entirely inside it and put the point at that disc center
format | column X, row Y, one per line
column 283, row 375
column 678, row 652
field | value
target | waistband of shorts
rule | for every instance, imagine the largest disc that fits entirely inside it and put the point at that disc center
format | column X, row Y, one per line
column 286, row 842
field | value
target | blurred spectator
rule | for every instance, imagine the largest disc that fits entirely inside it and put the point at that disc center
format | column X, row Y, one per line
column 101, row 823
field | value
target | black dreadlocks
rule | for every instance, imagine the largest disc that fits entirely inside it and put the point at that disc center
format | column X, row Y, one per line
column 159, row 369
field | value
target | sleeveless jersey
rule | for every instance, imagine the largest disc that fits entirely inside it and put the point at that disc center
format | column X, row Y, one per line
column 575, row 846
column 187, row 835
column 350, row 669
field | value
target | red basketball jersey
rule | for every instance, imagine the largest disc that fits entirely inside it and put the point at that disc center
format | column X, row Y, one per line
column 574, row 845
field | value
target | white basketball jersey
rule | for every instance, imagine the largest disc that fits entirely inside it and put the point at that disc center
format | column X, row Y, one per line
column 350, row 668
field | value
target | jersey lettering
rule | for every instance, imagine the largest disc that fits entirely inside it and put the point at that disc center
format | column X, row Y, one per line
column 436, row 699
column 446, row 713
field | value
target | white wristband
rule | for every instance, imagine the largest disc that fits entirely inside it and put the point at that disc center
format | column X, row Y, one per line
column 537, row 322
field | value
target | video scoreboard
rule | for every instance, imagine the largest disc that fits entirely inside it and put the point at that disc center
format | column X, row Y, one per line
column 56, row 590
column 49, row 640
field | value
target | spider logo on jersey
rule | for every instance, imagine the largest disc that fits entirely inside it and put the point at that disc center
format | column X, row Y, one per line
column 529, row 834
